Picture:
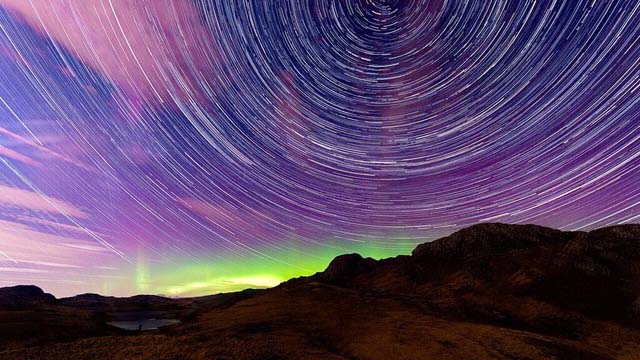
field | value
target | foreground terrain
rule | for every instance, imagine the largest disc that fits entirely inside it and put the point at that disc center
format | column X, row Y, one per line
column 488, row 291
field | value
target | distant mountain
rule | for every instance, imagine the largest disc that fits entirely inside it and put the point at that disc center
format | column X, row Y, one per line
column 22, row 296
column 97, row 302
column 488, row 291
column 594, row 274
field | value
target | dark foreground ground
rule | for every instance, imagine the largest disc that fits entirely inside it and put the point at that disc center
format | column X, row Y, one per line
column 491, row 291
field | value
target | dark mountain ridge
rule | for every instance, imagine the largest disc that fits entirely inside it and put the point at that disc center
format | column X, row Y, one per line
column 581, row 274
column 24, row 296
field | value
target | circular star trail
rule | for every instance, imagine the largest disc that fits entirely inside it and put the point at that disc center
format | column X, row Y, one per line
column 243, row 142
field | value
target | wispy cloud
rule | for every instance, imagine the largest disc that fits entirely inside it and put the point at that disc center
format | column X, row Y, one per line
column 40, row 148
column 240, row 222
column 14, row 155
column 25, row 245
column 126, row 40
column 12, row 196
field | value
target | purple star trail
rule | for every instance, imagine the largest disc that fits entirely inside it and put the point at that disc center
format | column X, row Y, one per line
column 190, row 147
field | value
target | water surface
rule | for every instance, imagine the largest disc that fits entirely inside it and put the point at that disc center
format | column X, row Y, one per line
column 144, row 324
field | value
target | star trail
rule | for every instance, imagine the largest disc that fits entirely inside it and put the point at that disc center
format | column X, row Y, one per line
column 192, row 147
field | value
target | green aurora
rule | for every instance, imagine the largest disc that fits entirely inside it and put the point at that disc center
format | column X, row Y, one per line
column 235, row 273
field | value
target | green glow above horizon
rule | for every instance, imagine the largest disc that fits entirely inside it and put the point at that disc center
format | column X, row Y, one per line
column 184, row 277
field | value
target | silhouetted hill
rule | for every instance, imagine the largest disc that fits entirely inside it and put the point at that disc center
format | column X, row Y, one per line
column 344, row 267
column 97, row 302
column 595, row 273
column 487, row 239
column 487, row 291
column 24, row 296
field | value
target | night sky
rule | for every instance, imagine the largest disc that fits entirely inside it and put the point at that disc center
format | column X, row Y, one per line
column 193, row 147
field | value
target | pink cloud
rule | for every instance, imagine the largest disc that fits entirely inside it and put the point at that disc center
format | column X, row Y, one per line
column 22, row 244
column 243, row 223
column 31, row 200
column 21, row 270
column 222, row 216
column 14, row 155
column 35, row 220
column 42, row 149
column 149, row 48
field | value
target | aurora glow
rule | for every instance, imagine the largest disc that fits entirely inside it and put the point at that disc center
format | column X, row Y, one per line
column 192, row 147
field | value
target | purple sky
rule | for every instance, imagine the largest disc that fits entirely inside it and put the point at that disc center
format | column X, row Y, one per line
column 185, row 147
